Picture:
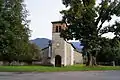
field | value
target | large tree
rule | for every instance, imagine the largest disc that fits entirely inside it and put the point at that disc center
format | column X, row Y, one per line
column 85, row 20
column 14, row 31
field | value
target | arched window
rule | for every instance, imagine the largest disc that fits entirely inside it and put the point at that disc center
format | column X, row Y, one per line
column 56, row 29
column 60, row 28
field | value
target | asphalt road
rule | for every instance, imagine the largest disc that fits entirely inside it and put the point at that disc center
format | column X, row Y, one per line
column 87, row 75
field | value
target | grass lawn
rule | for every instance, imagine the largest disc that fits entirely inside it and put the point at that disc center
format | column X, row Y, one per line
column 54, row 69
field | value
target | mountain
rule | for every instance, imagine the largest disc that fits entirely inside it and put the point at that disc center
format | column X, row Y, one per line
column 77, row 45
column 41, row 42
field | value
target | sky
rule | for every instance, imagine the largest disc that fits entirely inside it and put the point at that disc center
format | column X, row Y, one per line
column 42, row 13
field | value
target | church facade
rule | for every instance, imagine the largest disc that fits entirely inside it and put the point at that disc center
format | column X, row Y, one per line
column 60, row 52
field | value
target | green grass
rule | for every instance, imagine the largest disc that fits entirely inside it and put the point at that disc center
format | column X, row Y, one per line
column 54, row 69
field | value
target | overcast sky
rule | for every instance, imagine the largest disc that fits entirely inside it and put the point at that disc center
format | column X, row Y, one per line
column 42, row 13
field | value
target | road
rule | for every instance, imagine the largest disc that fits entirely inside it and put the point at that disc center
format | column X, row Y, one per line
column 82, row 75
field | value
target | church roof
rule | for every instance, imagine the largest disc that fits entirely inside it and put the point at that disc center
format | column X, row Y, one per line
column 77, row 46
column 57, row 22
column 44, row 48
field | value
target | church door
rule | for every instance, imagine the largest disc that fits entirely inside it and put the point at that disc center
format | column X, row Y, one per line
column 58, row 61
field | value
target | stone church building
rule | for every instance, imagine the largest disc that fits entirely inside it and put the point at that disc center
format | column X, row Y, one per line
column 60, row 52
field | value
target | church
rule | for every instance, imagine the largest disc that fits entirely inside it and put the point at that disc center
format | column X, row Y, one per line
column 60, row 52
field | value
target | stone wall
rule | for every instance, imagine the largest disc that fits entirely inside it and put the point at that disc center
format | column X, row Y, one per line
column 45, row 56
column 13, row 63
column 78, row 58
column 69, row 60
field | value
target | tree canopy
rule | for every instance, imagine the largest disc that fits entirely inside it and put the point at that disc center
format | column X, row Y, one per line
column 14, row 30
column 85, row 20
column 110, row 51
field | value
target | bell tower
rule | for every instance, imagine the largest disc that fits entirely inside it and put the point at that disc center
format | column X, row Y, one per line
column 58, row 44
column 57, row 26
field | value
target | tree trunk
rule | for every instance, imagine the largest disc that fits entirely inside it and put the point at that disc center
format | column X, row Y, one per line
column 94, row 61
column 91, row 60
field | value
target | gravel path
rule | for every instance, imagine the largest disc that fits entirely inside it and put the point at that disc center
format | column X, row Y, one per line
column 82, row 75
